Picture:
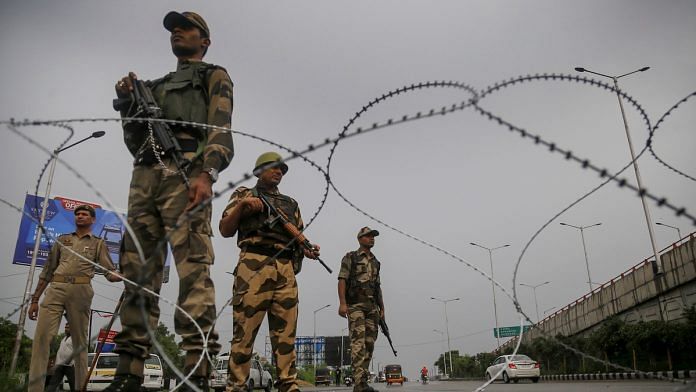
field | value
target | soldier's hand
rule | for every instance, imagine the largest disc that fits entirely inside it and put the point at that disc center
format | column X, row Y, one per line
column 343, row 310
column 124, row 86
column 113, row 277
column 312, row 253
column 200, row 191
column 252, row 205
column 33, row 310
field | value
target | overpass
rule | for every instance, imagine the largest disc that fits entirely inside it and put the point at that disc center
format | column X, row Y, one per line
column 638, row 294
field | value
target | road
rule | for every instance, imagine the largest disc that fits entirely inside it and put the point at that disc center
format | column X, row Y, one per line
column 528, row 386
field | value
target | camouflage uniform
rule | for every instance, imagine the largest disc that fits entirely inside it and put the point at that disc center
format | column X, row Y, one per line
column 197, row 92
column 70, row 291
column 265, row 283
column 360, row 270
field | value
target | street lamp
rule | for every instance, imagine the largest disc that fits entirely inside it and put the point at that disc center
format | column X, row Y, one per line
column 37, row 243
column 675, row 228
column 534, row 287
column 342, row 336
column 444, row 355
column 314, row 342
column 584, row 248
column 495, row 307
column 548, row 310
column 648, row 219
column 444, row 301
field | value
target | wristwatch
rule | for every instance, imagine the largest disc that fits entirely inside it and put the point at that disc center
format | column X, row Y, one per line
column 213, row 173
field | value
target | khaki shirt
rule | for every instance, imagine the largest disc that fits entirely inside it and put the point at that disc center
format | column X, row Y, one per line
column 62, row 261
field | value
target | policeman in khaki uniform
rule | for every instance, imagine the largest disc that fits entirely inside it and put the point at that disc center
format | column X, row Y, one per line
column 68, row 275
column 360, row 297
column 196, row 92
column 265, row 274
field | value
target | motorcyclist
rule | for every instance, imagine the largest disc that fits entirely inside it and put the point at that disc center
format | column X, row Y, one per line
column 424, row 375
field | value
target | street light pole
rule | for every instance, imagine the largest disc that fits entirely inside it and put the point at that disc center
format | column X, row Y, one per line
column 639, row 180
column 584, row 248
column 675, row 228
column 37, row 242
column 534, row 287
column 495, row 306
column 444, row 301
column 548, row 310
column 444, row 355
column 342, row 336
column 314, row 342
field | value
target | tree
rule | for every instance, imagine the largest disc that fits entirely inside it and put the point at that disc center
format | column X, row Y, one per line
column 8, row 332
column 169, row 348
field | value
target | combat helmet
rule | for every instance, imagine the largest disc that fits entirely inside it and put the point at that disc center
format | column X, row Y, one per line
column 268, row 160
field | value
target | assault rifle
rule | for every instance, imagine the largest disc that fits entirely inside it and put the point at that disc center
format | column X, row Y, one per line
column 383, row 323
column 289, row 227
column 164, row 137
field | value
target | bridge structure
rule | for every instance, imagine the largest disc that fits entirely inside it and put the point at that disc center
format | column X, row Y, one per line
column 638, row 294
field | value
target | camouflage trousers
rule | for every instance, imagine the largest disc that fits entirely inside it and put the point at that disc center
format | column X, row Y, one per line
column 264, row 286
column 363, row 322
column 75, row 300
column 156, row 202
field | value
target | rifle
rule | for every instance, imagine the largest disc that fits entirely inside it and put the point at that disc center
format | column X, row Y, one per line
column 289, row 227
column 383, row 324
column 164, row 137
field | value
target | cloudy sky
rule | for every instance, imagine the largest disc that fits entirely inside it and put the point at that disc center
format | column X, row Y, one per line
column 301, row 70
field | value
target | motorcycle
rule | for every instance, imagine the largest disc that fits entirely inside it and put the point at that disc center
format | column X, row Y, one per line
column 348, row 380
column 424, row 379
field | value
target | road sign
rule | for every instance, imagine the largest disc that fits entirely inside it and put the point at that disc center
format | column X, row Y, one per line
column 504, row 332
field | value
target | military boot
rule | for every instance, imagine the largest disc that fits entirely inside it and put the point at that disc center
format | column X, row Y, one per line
column 369, row 389
column 199, row 381
column 125, row 383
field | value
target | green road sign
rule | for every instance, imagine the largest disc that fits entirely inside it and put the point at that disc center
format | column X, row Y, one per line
column 504, row 332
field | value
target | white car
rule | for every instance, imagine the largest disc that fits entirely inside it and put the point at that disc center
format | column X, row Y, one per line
column 515, row 368
column 258, row 377
column 105, row 370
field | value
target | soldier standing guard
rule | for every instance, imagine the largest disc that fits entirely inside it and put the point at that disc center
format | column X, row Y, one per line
column 360, row 297
column 265, row 274
column 70, row 291
column 196, row 92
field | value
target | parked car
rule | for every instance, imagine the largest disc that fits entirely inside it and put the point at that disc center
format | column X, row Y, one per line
column 103, row 374
column 258, row 377
column 515, row 368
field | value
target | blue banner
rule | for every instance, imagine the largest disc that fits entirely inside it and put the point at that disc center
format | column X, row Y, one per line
column 60, row 219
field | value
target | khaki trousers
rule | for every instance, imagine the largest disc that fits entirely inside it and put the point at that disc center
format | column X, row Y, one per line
column 75, row 300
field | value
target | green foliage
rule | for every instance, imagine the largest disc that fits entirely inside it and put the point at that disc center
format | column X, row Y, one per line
column 655, row 345
column 170, row 349
column 306, row 374
column 8, row 330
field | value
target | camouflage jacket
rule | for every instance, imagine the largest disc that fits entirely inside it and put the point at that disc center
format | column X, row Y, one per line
column 196, row 92
column 360, row 270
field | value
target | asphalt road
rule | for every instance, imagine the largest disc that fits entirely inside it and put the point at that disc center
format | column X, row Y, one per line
column 528, row 386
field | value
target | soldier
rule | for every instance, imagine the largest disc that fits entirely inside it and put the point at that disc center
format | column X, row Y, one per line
column 360, row 297
column 196, row 92
column 68, row 275
column 265, row 274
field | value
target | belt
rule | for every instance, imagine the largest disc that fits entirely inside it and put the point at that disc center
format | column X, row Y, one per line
column 147, row 157
column 71, row 279
column 270, row 252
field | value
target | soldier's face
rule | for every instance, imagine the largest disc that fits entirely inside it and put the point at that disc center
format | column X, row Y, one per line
column 84, row 219
column 368, row 241
column 187, row 41
column 272, row 176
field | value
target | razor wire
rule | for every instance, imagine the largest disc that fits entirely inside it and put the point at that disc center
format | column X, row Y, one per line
column 444, row 110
